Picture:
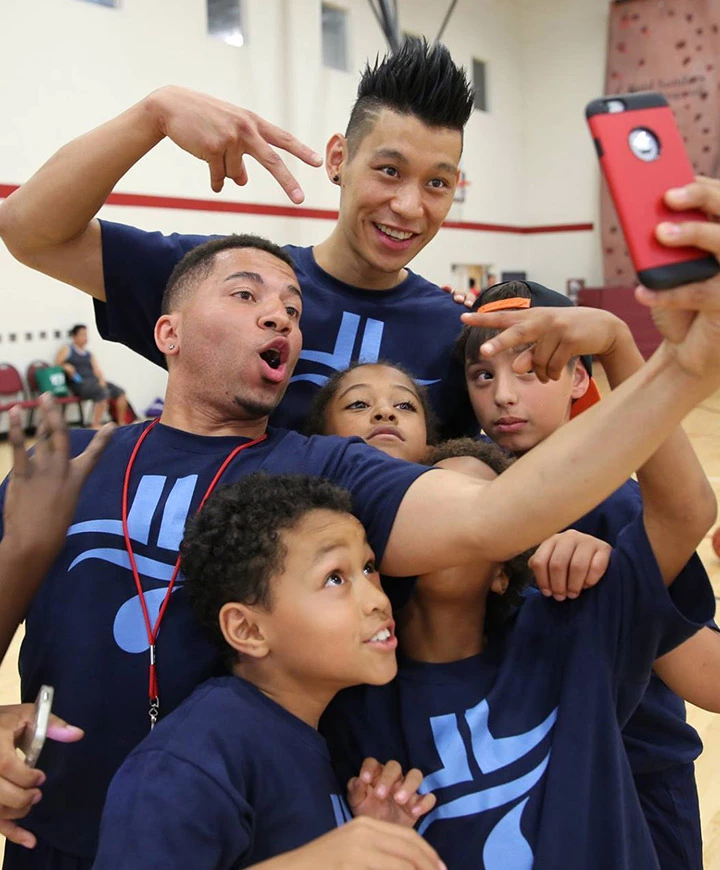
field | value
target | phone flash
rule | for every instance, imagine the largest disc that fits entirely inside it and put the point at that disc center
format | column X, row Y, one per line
column 615, row 106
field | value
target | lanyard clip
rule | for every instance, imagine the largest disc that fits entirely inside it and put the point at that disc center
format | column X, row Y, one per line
column 154, row 711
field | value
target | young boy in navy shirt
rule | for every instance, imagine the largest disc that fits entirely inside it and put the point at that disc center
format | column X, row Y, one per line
column 282, row 576
column 518, row 410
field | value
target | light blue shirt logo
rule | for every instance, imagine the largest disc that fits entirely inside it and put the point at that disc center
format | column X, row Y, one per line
column 129, row 626
column 505, row 848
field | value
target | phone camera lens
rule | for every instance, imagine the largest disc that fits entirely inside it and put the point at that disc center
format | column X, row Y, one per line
column 644, row 144
column 615, row 106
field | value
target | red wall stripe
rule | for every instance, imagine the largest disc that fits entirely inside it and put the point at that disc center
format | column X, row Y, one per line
column 141, row 200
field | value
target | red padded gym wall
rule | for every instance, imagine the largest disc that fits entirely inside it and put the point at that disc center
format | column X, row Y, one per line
column 671, row 46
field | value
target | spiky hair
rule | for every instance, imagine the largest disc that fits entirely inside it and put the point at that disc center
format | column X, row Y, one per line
column 419, row 79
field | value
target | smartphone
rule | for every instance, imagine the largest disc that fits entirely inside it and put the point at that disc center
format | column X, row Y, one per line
column 642, row 155
column 33, row 738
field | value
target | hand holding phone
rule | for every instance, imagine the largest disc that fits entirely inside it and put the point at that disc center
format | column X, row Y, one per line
column 34, row 736
column 642, row 156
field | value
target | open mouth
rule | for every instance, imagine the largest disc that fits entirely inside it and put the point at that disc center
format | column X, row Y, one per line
column 396, row 238
column 274, row 357
column 384, row 638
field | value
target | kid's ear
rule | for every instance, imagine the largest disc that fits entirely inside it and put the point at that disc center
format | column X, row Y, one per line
column 335, row 157
column 581, row 381
column 242, row 630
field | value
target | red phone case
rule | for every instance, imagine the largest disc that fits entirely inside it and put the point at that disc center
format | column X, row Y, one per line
column 637, row 186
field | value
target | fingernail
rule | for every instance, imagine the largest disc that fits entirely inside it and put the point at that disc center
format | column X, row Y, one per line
column 670, row 231
column 442, row 866
column 401, row 796
column 365, row 776
column 41, row 780
column 572, row 595
column 316, row 157
column 679, row 194
column 381, row 791
column 487, row 348
column 559, row 597
column 416, row 810
column 297, row 195
column 37, row 797
column 546, row 592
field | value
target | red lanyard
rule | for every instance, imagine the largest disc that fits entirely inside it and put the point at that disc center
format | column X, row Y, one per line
column 153, row 631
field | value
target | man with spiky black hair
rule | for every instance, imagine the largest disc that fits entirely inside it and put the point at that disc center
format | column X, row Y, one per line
column 397, row 167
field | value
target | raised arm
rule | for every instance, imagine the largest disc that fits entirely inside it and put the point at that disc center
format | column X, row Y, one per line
column 48, row 224
column 39, row 505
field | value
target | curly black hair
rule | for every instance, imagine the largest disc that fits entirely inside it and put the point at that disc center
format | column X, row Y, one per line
column 234, row 547
column 197, row 264
column 419, row 79
column 316, row 421
column 517, row 569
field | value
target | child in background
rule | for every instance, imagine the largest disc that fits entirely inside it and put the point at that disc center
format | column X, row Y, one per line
column 281, row 574
column 519, row 407
column 554, row 676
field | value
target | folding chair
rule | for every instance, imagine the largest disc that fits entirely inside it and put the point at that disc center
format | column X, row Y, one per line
column 62, row 400
column 12, row 391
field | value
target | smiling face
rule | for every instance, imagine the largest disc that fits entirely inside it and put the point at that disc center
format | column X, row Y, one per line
column 330, row 624
column 515, row 409
column 237, row 334
column 397, row 189
column 380, row 405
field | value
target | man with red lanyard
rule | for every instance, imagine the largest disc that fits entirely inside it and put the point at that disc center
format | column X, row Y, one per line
column 110, row 627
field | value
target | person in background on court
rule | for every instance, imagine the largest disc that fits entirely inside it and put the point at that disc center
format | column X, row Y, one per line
column 85, row 377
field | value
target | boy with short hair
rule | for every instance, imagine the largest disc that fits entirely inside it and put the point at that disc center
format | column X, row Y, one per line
column 281, row 574
column 517, row 410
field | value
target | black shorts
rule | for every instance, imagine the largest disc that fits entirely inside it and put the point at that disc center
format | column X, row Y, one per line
column 91, row 388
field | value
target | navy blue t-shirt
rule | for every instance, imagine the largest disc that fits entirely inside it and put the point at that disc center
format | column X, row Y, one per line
column 229, row 779
column 522, row 744
column 85, row 633
column 657, row 736
column 414, row 324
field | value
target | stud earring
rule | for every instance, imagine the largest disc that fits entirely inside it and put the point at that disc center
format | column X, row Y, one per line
column 171, row 347
column 336, row 178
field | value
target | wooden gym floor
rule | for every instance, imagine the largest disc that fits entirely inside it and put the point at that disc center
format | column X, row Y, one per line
column 703, row 427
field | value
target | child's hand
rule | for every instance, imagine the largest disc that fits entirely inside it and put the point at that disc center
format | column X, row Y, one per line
column 462, row 297
column 569, row 562
column 382, row 792
column 43, row 490
column 556, row 335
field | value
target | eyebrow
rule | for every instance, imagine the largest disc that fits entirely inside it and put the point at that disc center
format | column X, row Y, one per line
column 367, row 386
column 399, row 157
column 257, row 278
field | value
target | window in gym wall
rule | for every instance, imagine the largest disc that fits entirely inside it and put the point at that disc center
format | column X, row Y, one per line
column 334, row 37
column 479, row 83
column 113, row 3
column 225, row 21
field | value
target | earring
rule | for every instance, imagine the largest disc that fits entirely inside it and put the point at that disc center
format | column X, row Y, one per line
column 335, row 179
column 171, row 347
